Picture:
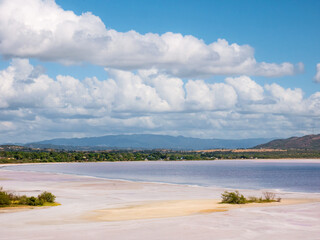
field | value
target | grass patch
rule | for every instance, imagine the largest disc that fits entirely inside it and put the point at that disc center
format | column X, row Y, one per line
column 237, row 198
column 47, row 204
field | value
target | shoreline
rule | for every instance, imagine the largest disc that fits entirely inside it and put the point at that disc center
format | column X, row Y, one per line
column 280, row 160
column 276, row 190
column 104, row 179
column 165, row 184
column 311, row 160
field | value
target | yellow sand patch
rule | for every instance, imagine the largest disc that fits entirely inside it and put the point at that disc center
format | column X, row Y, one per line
column 175, row 208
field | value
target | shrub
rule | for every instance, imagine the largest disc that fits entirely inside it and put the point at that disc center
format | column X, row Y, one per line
column 253, row 199
column 23, row 200
column 7, row 199
column 237, row 198
column 4, row 199
column 33, row 201
column 13, row 197
column 47, row 197
column 269, row 196
column 39, row 202
column 233, row 198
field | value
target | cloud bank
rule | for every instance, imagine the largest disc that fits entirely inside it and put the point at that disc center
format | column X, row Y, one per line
column 33, row 104
column 43, row 30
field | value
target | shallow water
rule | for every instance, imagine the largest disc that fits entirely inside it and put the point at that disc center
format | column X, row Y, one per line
column 287, row 175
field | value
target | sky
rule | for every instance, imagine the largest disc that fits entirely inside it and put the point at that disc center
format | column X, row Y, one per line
column 224, row 69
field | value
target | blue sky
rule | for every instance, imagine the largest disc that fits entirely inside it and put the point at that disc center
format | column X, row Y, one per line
column 279, row 31
column 69, row 73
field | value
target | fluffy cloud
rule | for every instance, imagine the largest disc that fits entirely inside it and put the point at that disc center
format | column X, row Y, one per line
column 202, row 96
column 43, row 30
column 246, row 88
column 317, row 76
column 34, row 106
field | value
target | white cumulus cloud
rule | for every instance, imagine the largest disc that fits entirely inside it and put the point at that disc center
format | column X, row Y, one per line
column 246, row 88
column 203, row 96
column 34, row 106
column 41, row 29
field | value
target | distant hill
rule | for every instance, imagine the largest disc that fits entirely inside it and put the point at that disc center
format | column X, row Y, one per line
column 145, row 141
column 305, row 142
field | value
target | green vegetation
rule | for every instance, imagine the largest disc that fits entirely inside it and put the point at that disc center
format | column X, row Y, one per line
column 4, row 198
column 11, row 200
column 233, row 198
column 43, row 156
column 237, row 198
column 47, row 197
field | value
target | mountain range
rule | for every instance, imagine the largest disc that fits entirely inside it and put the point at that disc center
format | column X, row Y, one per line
column 145, row 142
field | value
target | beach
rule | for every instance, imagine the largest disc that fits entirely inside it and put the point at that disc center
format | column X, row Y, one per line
column 97, row 208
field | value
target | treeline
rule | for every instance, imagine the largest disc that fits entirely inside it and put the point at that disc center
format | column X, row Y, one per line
column 52, row 156
column 81, row 156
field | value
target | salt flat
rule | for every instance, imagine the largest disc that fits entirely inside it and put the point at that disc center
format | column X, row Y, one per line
column 93, row 208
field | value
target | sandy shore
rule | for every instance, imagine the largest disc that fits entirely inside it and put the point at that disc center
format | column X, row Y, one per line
column 93, row 208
